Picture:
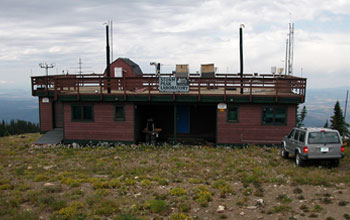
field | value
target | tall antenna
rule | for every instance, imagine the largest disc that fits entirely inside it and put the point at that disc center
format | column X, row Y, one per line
column 46, row 67
column 108, row 70
column 241, row 54
column 80, row 72
column 111, row 37
column 346, row 104
column 286, row 60
column 290, row 48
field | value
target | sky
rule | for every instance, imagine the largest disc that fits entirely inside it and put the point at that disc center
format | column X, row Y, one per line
column 174, row 32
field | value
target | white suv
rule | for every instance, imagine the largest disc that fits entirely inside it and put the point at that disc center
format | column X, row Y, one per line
column 313, row 143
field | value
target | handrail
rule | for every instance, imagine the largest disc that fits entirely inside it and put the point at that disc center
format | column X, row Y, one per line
column 251, row 84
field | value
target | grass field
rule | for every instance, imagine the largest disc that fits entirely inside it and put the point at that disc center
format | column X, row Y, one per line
column 165, row 182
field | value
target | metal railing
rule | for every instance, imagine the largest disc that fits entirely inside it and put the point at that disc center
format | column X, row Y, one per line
column 222, row 84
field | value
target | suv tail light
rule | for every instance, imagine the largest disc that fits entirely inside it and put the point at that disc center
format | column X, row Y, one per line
column 306, row 149
column 342, row 149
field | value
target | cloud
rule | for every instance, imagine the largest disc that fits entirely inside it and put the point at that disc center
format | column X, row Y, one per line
column 175, row 31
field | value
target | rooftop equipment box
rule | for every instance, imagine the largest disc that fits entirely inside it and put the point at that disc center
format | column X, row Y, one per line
column 182, row 70
column 208, row 70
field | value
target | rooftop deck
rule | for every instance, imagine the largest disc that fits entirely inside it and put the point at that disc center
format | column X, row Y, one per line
column 223, row 85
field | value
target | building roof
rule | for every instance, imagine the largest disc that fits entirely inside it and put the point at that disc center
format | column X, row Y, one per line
column 136, row 68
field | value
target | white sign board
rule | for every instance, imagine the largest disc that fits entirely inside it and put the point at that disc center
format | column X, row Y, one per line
column 45, row 100
column 173, row 84
column 222, row 106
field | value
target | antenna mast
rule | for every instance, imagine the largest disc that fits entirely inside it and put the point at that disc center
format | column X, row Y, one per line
column 111, row 37
column 46, row 67
column 290, row 49
column 80, row 63
column 346, row 104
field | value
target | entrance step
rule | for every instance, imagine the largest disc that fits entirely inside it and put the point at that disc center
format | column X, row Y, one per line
column 54, row 136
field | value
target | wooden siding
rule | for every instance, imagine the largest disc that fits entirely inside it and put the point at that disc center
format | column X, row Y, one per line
column 58, row 111
column 249, row 128
column 104, row 127
column 45, row 110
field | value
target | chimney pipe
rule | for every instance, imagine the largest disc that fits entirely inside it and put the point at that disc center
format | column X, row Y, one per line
column 108, row 69
column 241, row 54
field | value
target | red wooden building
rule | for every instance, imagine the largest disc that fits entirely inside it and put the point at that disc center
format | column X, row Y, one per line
column 220, row 108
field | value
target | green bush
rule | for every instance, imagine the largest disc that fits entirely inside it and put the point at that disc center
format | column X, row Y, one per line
column 157, row 206
column 178, row 191
column 127, row 217
column 180, row 216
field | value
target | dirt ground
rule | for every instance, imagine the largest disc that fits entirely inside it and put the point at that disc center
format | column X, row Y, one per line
column 165, row 182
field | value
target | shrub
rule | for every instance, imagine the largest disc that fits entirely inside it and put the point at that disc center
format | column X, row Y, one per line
column 106, row 208
column 41, row 178
column 278, row 209
column 71, row 210
column 72, row 182
column 283, row 198
column 180, row 216
column 224, row 187
column 26, row 215
column 178, row 191
column 203, row 196
column 184, row 206
column 195, row 181
column 6, row 187
column 146, row 182
column 157, row 206
column 127, row 217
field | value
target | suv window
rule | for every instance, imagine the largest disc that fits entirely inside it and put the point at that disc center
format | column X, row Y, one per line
column 291, row 134
column 302, row 136
column 323, row 138
column 296, row 135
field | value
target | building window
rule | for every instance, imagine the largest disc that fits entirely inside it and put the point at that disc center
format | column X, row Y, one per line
column 232, row 114
column 274, row 116
column 82, row 113
column 119, row 113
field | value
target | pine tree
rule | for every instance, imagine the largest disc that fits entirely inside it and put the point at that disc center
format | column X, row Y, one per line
column 301, row 116
column 338, row 121
column 326, row 124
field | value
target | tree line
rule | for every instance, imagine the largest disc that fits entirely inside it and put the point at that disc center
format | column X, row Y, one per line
column 337, row 121
column 17, row 127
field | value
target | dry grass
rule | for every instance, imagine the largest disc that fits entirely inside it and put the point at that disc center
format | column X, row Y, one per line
column 166, row 182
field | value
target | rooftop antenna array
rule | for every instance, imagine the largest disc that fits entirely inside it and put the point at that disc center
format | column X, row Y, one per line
column 46, row 67
column 290, row 50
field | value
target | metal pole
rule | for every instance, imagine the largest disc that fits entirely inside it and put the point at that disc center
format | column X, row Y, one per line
column 241, row 54
column 286, row 60
column 346, row 104
column 108, row 70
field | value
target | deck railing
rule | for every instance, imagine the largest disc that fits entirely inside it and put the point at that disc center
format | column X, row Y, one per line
column 222, row 84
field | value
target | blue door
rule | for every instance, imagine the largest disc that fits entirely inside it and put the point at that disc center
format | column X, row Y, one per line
column 183, row 119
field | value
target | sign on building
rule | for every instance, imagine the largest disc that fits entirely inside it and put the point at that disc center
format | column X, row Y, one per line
column 173, row 84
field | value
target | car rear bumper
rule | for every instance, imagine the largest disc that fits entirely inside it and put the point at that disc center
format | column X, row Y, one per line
column 320, row 157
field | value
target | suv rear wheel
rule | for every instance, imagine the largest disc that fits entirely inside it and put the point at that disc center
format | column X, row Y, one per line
column 283, row 152
column 298, row 160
